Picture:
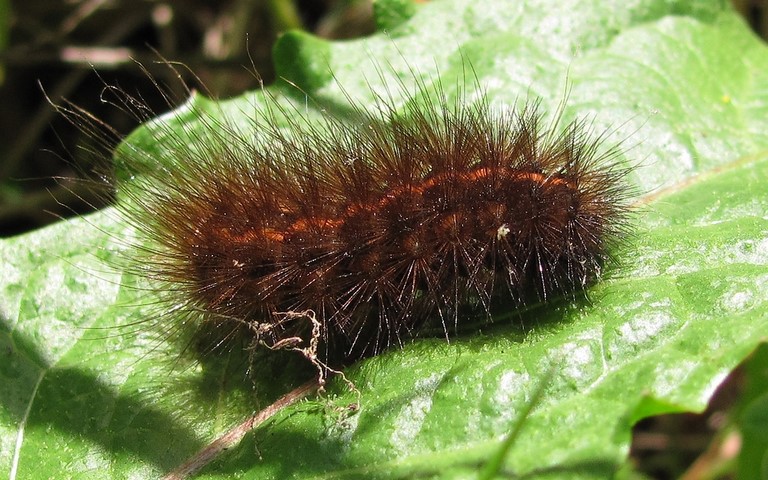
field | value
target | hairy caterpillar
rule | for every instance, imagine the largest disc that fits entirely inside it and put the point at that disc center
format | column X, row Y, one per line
column 342, row 237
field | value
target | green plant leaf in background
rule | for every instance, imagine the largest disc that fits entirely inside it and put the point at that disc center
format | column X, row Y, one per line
column 753, row 417
column 88, row 393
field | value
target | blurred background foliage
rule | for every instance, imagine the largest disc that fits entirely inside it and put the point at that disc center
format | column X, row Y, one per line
column 72, row 48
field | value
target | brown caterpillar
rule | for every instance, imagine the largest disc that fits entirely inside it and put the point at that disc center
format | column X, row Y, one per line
column 350, row 235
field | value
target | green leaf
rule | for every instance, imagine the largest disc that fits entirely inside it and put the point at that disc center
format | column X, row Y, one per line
column 89, row 392
column 753, row 417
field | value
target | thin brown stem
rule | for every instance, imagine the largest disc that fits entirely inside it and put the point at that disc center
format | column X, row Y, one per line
column 231, row 438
